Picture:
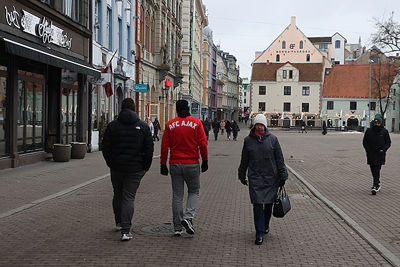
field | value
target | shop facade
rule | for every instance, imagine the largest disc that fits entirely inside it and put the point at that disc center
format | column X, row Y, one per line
column 44, row 71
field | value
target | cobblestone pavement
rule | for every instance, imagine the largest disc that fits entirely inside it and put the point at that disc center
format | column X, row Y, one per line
column 77, row 228
column 335, row 165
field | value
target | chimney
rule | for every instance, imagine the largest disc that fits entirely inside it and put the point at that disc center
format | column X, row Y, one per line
column 293, row 21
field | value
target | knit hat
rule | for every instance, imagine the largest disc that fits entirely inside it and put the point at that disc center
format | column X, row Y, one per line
column 128, row 103
column 182, row 105
column 378, row 118
column 260, row 118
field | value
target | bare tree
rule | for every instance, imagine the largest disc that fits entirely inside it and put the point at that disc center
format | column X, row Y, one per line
column 387, row 35
column 382, row 80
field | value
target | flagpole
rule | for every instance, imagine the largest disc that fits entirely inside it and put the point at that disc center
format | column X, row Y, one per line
column 112, row 57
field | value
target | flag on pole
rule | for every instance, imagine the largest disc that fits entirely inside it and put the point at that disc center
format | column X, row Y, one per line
column 108, row 78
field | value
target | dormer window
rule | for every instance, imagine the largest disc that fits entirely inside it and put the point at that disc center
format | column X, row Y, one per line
column 337, row 44
column 284, row 45
column 277, row 58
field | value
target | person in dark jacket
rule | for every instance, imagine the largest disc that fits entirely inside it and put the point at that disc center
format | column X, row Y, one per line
column 216, row 125
column 376, row 142
column 128, row 150
column 157, row 127
column 263, row 161
column 324, row 129
column 228, row 128
column 235, row 129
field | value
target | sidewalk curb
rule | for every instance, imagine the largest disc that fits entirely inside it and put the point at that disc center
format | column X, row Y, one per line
column 58, row 194
column 389, row 256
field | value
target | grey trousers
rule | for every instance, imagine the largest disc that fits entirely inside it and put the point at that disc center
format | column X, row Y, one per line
column 182, row 173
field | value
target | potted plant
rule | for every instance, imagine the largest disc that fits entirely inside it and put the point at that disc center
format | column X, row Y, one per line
column 61, row 152
column 78, row 150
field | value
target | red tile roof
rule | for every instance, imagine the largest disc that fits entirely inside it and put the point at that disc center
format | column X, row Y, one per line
column 309, row 72
column 353, row 80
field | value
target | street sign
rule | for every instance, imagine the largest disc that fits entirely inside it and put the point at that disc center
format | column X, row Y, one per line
column 142, row 88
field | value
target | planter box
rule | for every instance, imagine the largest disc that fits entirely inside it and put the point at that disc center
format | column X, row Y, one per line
column 78, row 150
column 61, row 152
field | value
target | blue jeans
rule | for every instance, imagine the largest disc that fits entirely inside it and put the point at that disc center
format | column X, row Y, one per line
column 262, row 217
column 125, row 186
column 182, row 173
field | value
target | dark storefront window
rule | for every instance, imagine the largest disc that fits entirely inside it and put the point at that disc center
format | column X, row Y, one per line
column 3, row 105
column 95, row 104
column 30, row 103
column 69, row 107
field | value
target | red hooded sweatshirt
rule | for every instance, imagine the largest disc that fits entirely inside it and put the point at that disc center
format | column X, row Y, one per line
column 184, row 137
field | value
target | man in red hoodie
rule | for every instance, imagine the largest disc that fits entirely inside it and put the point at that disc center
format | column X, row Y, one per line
column 183, row 137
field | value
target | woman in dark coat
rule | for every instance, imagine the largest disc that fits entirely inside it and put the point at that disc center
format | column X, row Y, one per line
column 376, row 142
column 228, row 128
column 263, row 161
column 235, row 129
column 157, row 127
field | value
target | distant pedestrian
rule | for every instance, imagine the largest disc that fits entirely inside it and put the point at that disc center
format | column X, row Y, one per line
column 216, row 126
column 184, row 136
column 246, row 118
column 222, row 127
column 228, row 128
column 157, row 127
column 376, row 142
column 205, row 127
column 127, row 148
column 263, row 161
column 235, row 129
column 303, row 127
column 324, row 129
column 151, row 126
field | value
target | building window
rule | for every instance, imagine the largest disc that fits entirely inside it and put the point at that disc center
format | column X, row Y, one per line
column 305, row 90
column 262, row 90
column 286, row 107
column 277, row 58
column 142, row 25
column 284, row 74
column 323, row 46
column 153, row 35
column 308, row 57
column 337, row 62
column 301, row 44
column 261, row 106
column 244, row 94
column 287, row 90
column 109, row 28
column 97, row 21
column 373, row 105
column 3, row 111
column 290, row 74
column 394, row 105
column 147, row 38
column 353, row 105
column 71, row 9
column 119, row 36
column 329, row 105
column 284, row 45
column 305, row 107
column 337, row 44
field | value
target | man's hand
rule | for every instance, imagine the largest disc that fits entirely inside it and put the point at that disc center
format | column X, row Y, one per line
column 164, row 169
column 243, row 181
column 204, row 166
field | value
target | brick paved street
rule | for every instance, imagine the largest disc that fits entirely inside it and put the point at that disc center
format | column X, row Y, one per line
column 77, row 228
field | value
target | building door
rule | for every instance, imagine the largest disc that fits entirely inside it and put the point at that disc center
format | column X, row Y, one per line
column 69, row 106
column 3, row 111
column 352, row 123
column 393, row 123
column 30, row 111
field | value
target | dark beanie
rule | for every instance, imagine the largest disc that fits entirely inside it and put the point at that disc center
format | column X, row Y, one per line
column 378, row 117
column 128, row 103
column 182, row 105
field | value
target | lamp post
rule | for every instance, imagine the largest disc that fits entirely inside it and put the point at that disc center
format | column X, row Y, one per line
column 369, row 95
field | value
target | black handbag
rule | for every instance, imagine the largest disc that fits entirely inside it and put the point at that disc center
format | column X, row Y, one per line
column 281, row 204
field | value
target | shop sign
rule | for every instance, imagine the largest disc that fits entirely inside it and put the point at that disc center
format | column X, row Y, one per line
column 39, row 27
column 195, row 108
column 141, row 88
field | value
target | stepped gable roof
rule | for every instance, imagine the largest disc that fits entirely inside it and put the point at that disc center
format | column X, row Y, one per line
column 309, row 72
column 352, row 80
column 320, row 39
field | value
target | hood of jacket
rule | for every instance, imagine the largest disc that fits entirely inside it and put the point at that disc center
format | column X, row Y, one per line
column 128, row 116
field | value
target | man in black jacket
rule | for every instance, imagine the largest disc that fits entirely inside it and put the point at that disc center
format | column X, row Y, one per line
column 128, row 150
column 376, row 142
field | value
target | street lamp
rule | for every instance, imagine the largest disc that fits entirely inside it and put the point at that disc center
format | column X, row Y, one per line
column 369, row 94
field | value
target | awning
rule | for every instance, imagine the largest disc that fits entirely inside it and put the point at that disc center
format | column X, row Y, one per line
column 20, row 47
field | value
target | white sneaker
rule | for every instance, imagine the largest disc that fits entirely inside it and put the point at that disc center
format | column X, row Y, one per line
column 178, row 233
column 126, row 236
column 377, row 188
column 188, row 226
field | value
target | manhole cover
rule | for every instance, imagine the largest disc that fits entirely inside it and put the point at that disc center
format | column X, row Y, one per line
column 295, row 160
column 299, row 196
column 164, row 229
column 220, row 155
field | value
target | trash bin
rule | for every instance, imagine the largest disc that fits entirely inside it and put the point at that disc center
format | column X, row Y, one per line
column 61, row 152
column 78, row 150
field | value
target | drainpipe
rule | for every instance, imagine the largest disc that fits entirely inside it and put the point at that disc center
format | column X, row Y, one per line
column 192, row 52
column 139, row 56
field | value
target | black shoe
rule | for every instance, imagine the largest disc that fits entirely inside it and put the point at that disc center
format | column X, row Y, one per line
column 188, row 226
column 266, row 231
column 259, row 241
column 373, row 190
column 377, row 188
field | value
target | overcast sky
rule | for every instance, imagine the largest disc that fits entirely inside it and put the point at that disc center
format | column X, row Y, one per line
column 243, row 27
